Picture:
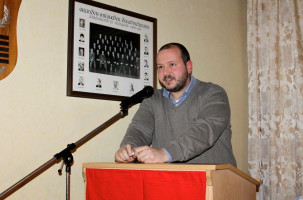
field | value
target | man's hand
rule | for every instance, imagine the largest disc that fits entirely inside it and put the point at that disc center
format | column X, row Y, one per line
column 125, row 154
column 146, row 154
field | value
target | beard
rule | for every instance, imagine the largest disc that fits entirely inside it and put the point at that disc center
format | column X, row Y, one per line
column 180, row 83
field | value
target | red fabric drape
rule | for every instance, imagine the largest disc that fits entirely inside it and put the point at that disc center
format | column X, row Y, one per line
column 115, row 184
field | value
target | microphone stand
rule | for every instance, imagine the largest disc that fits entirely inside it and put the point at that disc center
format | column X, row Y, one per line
column 66, row 156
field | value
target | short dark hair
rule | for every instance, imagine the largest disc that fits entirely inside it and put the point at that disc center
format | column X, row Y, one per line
column 184, row 53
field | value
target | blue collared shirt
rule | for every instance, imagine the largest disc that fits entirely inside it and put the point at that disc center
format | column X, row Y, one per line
column 185, row 94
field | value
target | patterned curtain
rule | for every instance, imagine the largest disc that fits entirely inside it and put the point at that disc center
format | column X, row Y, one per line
column 275, row 70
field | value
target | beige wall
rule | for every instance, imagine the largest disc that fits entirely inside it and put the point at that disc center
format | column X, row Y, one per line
column 37, row 119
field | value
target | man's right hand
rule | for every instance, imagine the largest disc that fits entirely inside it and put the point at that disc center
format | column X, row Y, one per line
column 125, row 154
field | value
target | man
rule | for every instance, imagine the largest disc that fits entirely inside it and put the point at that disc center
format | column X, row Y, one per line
column 81, row 37
column 186, row 121
column 99, row 83
column 81, row 51
column 82, row 23
column 103, row 63
column 81, row 81
column 92, row 60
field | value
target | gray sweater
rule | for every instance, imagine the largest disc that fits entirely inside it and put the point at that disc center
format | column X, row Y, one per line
column 197, row 131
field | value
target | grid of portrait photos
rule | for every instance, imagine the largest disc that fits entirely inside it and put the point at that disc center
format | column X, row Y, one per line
column 111, row 59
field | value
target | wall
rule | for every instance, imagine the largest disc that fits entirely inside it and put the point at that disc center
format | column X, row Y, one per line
column 38, row 120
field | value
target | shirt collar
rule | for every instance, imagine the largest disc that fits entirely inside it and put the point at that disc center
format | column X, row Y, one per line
column 167, row 94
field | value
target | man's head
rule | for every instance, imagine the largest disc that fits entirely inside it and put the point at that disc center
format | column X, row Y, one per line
column 174, row 68
column 184, row 53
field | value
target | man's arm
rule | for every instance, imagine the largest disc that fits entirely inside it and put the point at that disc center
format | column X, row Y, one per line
column 141, row 129
column 139, row 133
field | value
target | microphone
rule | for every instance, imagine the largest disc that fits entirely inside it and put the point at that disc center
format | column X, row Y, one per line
column 146, row 92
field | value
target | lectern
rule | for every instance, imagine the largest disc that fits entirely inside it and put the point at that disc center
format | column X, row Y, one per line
column 167, row 181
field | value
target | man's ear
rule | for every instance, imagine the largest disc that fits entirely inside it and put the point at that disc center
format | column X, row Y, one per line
column 189, row 66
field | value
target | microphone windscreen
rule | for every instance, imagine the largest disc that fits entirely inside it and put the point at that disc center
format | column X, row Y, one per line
column 146, row 92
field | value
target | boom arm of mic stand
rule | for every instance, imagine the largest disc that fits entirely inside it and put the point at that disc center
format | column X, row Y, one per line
column 60, row 155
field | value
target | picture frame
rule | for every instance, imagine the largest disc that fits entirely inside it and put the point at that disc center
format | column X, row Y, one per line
column 111, row 51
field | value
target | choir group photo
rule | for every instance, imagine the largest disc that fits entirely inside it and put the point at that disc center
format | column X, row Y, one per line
column 114, row 52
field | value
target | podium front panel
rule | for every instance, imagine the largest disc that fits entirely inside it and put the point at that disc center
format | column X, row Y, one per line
column 167, row 181
column 107, row 184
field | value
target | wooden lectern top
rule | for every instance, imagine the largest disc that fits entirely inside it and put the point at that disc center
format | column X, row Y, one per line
column 170, row 166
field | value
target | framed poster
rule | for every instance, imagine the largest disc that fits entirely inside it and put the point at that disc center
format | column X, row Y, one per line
column 111, row 51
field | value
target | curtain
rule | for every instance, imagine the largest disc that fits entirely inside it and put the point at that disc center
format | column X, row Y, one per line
column 275, row 90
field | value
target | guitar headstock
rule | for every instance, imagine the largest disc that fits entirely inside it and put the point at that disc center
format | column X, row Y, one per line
column 8, row 36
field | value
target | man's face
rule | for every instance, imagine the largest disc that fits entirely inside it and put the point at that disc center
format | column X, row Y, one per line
column 173, row 74
column 81, row 22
